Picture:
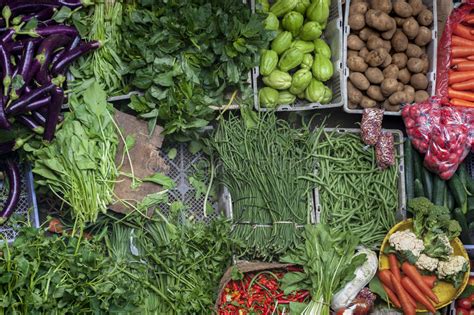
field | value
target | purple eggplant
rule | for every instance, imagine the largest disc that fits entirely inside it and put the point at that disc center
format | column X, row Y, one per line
column 39, row 118
column 54, row 30
column 13, row 175
column 36, row 105
column 43, row 15
column 57, row 3
column 30, row 123
column 54, row 108
column 4, row 123
column 61, row 65
column 24, row 66
column 7, row 147
column 60, row 54
column 18, row 46
column 21, row 7
column 6, row 66
column 7, row 36
column 19, row 105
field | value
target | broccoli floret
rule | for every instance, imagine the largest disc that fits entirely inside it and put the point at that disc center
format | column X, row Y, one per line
column 420, row 208
column 430, row 218
column 437, row 245
column 453, row 229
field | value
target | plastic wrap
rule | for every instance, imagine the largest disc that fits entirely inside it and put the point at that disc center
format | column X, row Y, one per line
column 449, row 143
column 419, row 120
column 371, row 125
column 385, row 150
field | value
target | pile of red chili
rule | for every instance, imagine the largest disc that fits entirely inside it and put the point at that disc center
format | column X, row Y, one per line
column 258, row 293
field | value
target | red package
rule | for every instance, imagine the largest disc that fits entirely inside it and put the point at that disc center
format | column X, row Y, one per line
column 449, row 143
column 469, row 122
column 385, row 151
column 419, row 119
column 371, row 125
column 445, row 48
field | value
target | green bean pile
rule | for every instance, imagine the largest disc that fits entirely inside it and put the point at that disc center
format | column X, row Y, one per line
column 262, row 167
column 354, row 194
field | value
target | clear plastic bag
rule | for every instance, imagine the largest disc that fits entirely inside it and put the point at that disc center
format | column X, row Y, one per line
column 371, row 125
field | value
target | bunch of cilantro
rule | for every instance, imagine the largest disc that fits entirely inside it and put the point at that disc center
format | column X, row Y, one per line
column 184, row 55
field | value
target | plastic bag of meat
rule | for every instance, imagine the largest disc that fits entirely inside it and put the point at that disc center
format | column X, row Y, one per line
column 449, row 144
column 371, row 126
column 385, row 151
column 419, row 120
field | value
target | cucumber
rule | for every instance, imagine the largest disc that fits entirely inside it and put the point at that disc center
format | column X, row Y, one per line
column 470, row 186
column 462, row 173
column 459, row 216
column 409, row 175
column 419, row 192
column 470, row 229
column 417, row 165
column 445, row 196
column 470, row 203
column 450, row 200
column 470, row 216
column 459, row 192
column 439, row 188
column 427, row 180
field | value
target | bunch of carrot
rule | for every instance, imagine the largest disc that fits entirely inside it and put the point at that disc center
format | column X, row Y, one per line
column 408, row 289
column 461, row 75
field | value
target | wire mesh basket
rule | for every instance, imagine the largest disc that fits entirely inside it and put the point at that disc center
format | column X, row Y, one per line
column 27, row 209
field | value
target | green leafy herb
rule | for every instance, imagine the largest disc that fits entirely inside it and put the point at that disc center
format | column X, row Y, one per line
column 161, row 179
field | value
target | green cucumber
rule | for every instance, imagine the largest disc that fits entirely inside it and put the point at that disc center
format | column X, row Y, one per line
column 450, row 200
column 439, row 188
column 459, row 192
column 470, row 203
column 459, row 216
column 470, row 216
column 462, row 173
column 470, row 186
column 419, row 192
column 417, row 165
column 427, row 180
column 445, row 196
column 470, row 229
column 409, row 175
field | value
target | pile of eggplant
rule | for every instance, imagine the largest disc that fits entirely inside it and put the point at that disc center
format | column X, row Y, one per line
column 33, row 63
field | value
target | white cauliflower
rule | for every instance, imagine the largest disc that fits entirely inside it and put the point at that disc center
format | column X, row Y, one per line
column 425, row 262
column 453, row 269
column 446, row 242
column 407, row 243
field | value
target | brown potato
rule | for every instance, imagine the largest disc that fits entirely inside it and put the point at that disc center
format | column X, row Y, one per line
column 387, row 45
column 363, row 52
column 376, row 57
column 398, row 98
column 414, row 51
column 382, row 5
column 354, row 42
column 389, row 86
column 426, row 63
column 390, row 108
column 374, row 75
column 400, row 86
column 399, row 21
column 356, row 21
column 400, row 60
column 421, row 96
column 367, row 102
column 399, row 41
column 415, row 65
column 375, row 93
column 378, row 20
column 419, row 81
column 425, row 18
column 351, row 53
column 410, row 93
column 355, row 96
column 402, row 9
column 410, row 27
column 387, row 62
column 358, row 8
column 389, row 34
column 391, row 72
column 416, row 5
column 357, row 64
column 404, row 76
column 374, row 43
column 424, row 36
column 359, row 81
column 366, row 32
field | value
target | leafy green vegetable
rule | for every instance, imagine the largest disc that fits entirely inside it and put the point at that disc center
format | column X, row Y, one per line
column 199, row 50
column 161, row 179
column 329, row 262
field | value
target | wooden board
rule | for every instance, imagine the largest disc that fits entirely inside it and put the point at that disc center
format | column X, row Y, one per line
column 145, row 159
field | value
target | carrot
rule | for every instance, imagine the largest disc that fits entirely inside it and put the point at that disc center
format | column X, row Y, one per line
column 470, row 21
column 461, row 51
column 408, row 308
column 463, row 31
column 455, row 61
column 463, row 103
column 415, row 276
column 55, row 226
column 464, row 86
column 462, row 95
column 470, row 58
column 385, row 278
column 393, row 262
column 460, row 76
column 392, row 296
column 468, row 17
column 465, row 66
column 460, row 41
column 430, row 280
column 413, row 290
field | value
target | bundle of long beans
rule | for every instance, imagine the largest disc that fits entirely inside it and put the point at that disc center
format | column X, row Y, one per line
column 354, row 194
column 262, row 168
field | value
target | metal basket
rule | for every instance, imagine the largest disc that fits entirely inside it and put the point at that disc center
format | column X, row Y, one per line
column 27, row 209
column 432, row 49
column 333, row 36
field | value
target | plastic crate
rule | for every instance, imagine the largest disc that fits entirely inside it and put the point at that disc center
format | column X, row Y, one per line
column 432, row 49
column 398, row 135
column 27, row 209
column 333, row 36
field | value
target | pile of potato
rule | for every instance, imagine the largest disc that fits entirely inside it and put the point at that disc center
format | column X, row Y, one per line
column 386, row 54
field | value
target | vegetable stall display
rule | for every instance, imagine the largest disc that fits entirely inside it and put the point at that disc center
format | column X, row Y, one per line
column 298, row 61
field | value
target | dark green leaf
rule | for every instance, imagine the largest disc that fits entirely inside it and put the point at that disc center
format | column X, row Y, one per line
column 162, row 180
